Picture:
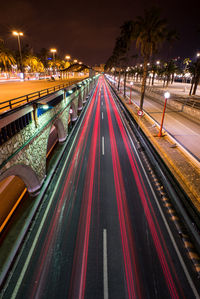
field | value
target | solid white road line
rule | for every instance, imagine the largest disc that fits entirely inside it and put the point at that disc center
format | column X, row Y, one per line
column 102, row 145
column 105, row 265
column 102, row 115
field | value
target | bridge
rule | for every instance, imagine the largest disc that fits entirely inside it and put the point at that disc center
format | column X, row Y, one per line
column 25, row 130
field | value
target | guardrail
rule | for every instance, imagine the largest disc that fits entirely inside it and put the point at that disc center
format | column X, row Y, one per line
column 13, row 103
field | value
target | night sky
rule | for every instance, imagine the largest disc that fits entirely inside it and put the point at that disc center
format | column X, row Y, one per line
column 87, row 29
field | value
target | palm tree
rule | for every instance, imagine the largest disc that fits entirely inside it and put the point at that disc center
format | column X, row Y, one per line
column 194, row 69
column 149, row 32
column 169, row 70
column 34, row 64
column 6, row 57
column 119, row 57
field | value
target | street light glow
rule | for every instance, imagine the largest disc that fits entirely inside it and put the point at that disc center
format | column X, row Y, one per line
column 67, row 57
column 167, row 95
column 157, row 62
column 75, row 60
column 198, row 54
column 17, row 33
column 53, row 50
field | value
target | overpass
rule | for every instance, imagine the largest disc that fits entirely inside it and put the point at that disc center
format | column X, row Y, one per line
column 25, row 131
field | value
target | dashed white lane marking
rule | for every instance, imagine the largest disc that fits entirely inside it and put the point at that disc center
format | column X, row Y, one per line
column 102, row 115
column 102, row 145
column 105, row 265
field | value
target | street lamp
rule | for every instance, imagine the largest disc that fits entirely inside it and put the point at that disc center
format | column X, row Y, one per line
column 67, row 57
column 53, row 51
column 198, row 54
column 75, row 60
column 18, row 34
column 158, row 62
column 167, row 96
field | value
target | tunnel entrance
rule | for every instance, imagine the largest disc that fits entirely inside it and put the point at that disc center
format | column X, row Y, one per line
column 12, row 193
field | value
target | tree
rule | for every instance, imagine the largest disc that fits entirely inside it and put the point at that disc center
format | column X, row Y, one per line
column 119, row 59
column 149, row 32
column 33, row 63
column 6, row 57
column 43, row 57
column 169, row 71
column 194, row 69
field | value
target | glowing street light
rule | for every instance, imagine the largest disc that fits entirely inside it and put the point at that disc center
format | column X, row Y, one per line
column 158, row 62
column 75, row 60
column 18, row 34
column 198, row 54
column 80, row 62
column 167, row 96
column 67, row 57
column 53, row 51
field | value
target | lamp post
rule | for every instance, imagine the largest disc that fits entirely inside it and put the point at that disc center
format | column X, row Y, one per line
column 53, row 51
column 167, row 96
column 131, row 83
column 68, row 57
column 18, row 34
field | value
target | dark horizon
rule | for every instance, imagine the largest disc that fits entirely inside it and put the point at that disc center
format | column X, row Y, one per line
column 87, row 32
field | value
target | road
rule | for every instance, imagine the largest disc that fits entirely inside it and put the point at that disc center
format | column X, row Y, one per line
column 101, row 232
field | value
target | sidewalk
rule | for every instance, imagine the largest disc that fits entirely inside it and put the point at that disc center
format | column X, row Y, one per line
column 179, row 89
column 184, row 168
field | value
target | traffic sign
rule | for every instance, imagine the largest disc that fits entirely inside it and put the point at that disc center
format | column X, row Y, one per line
column 140, row 112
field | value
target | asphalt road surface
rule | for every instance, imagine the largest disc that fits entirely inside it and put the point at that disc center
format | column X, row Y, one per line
column 100, row 232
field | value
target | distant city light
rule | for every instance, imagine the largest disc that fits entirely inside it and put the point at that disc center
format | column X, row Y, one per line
column 53, row 50
column 67, row 57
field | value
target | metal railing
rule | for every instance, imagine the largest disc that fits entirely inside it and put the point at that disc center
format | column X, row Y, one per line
column 22, row 100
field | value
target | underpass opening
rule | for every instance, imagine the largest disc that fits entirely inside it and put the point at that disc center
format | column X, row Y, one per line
column 26, row 174
column 13, row 193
